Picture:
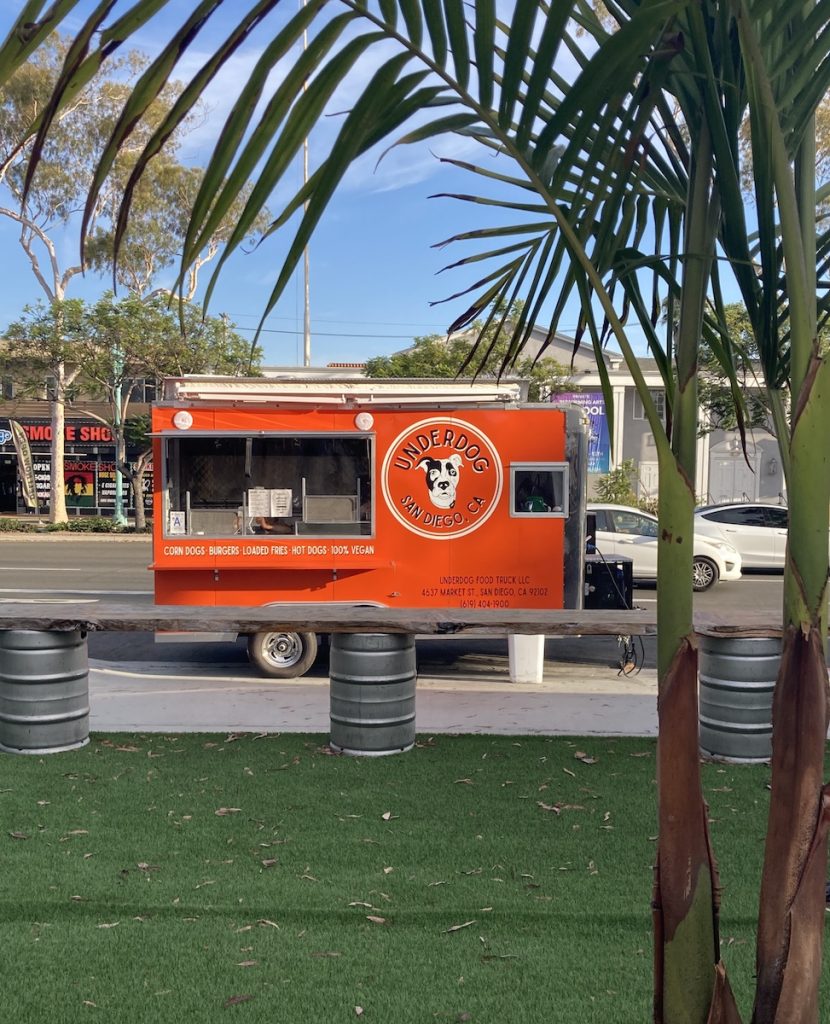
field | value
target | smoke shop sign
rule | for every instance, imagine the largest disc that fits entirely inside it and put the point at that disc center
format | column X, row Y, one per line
column 86, row 433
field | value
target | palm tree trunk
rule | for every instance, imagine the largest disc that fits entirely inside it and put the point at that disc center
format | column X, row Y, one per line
column 791, row 917
column 791, row 913
column 686, row 894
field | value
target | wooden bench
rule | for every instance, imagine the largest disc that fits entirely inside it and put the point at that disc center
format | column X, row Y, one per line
column 327, row 618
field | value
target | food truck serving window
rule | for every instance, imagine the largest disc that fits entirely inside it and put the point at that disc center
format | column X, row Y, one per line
column 539, row 489
column 219, row 485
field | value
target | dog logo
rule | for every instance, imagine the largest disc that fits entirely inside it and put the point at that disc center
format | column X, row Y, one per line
column 461, row 473
column 442, row 479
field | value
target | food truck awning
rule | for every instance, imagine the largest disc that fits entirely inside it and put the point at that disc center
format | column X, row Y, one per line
column 346, row 392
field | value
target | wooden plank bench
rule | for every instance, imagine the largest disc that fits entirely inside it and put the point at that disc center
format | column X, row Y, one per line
column 326, row 618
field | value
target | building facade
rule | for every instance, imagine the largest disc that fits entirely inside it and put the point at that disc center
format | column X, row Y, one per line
column 89, row 465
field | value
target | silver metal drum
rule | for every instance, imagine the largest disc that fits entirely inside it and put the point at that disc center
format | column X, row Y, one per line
column 737, row 679
column 372, row 693
column 44, row 691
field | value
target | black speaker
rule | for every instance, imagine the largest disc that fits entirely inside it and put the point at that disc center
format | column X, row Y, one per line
column 590, row 533
column 608, row 582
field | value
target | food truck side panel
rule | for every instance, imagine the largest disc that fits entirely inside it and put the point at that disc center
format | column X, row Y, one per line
column 433, row 516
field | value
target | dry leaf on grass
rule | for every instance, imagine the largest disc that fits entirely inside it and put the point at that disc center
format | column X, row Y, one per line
column 556, row 808
column 247, row 963
column 326, row 953
column 269, row 863
column 580, row 755
column 235, row 1000
column 223, row 811
column 358, row 1011
column 458, row 927
column 110, row 924
column 388, row 816
column 19, row 835
column 375, row 919
column 360, row 903
column 74, row 832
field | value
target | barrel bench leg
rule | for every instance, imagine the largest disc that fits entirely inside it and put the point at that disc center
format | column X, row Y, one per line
column 44, row 691
column 372, row 693
column 527, row 658
column 737, row 682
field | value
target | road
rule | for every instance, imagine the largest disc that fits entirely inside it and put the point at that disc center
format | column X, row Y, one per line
column 91, row 569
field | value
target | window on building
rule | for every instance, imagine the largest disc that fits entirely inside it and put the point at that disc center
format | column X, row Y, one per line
column 316, row 485
column 539, row 489
column 143, row 390
column 659, row 399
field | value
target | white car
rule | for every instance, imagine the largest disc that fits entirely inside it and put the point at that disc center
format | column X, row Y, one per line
column 624, row 531
column 757, row 530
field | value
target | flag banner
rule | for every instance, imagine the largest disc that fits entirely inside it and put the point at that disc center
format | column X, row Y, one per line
column 26, row 469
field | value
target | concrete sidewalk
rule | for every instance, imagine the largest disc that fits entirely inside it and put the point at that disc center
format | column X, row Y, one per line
column 573, row 699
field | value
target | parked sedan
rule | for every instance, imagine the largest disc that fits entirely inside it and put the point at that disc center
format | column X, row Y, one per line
column 632, row 533
column 757, row 530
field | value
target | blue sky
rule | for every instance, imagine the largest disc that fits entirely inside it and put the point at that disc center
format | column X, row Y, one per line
column 374, row 271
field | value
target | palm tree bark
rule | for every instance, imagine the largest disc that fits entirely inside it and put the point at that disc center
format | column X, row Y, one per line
column 686, row 890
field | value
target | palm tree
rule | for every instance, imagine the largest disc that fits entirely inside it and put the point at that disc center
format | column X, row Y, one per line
column 622, row 181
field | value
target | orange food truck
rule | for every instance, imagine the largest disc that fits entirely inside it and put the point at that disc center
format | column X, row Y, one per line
column 364, row 492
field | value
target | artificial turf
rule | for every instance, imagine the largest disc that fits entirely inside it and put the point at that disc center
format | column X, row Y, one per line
column 260, row 878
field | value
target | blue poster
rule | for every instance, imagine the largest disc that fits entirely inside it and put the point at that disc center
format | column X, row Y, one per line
column 592, row 404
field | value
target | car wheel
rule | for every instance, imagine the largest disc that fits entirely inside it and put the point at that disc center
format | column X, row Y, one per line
column 704, row 573
column 282, row 655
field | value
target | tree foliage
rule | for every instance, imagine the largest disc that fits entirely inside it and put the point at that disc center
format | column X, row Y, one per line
column 435, row 355
column 98, row 351
column 66, row 171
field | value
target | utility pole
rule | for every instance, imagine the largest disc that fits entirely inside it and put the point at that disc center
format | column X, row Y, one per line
column 306, row 263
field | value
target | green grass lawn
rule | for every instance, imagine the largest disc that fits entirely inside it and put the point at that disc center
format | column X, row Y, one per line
column 484, row 879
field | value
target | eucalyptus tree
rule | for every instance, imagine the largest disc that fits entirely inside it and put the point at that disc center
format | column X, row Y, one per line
column 65, row 173
column 599, row 193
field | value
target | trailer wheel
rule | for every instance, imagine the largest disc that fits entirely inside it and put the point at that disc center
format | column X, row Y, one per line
column 282, row 655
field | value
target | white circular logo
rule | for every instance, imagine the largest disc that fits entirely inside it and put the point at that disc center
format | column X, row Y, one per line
column 183, row 420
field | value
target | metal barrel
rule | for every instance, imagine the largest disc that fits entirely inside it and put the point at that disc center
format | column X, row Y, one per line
column 372, row 693
column 737, row 679
column 44, row 691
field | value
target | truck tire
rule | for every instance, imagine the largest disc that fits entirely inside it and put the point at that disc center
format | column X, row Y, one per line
column 282, row 655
